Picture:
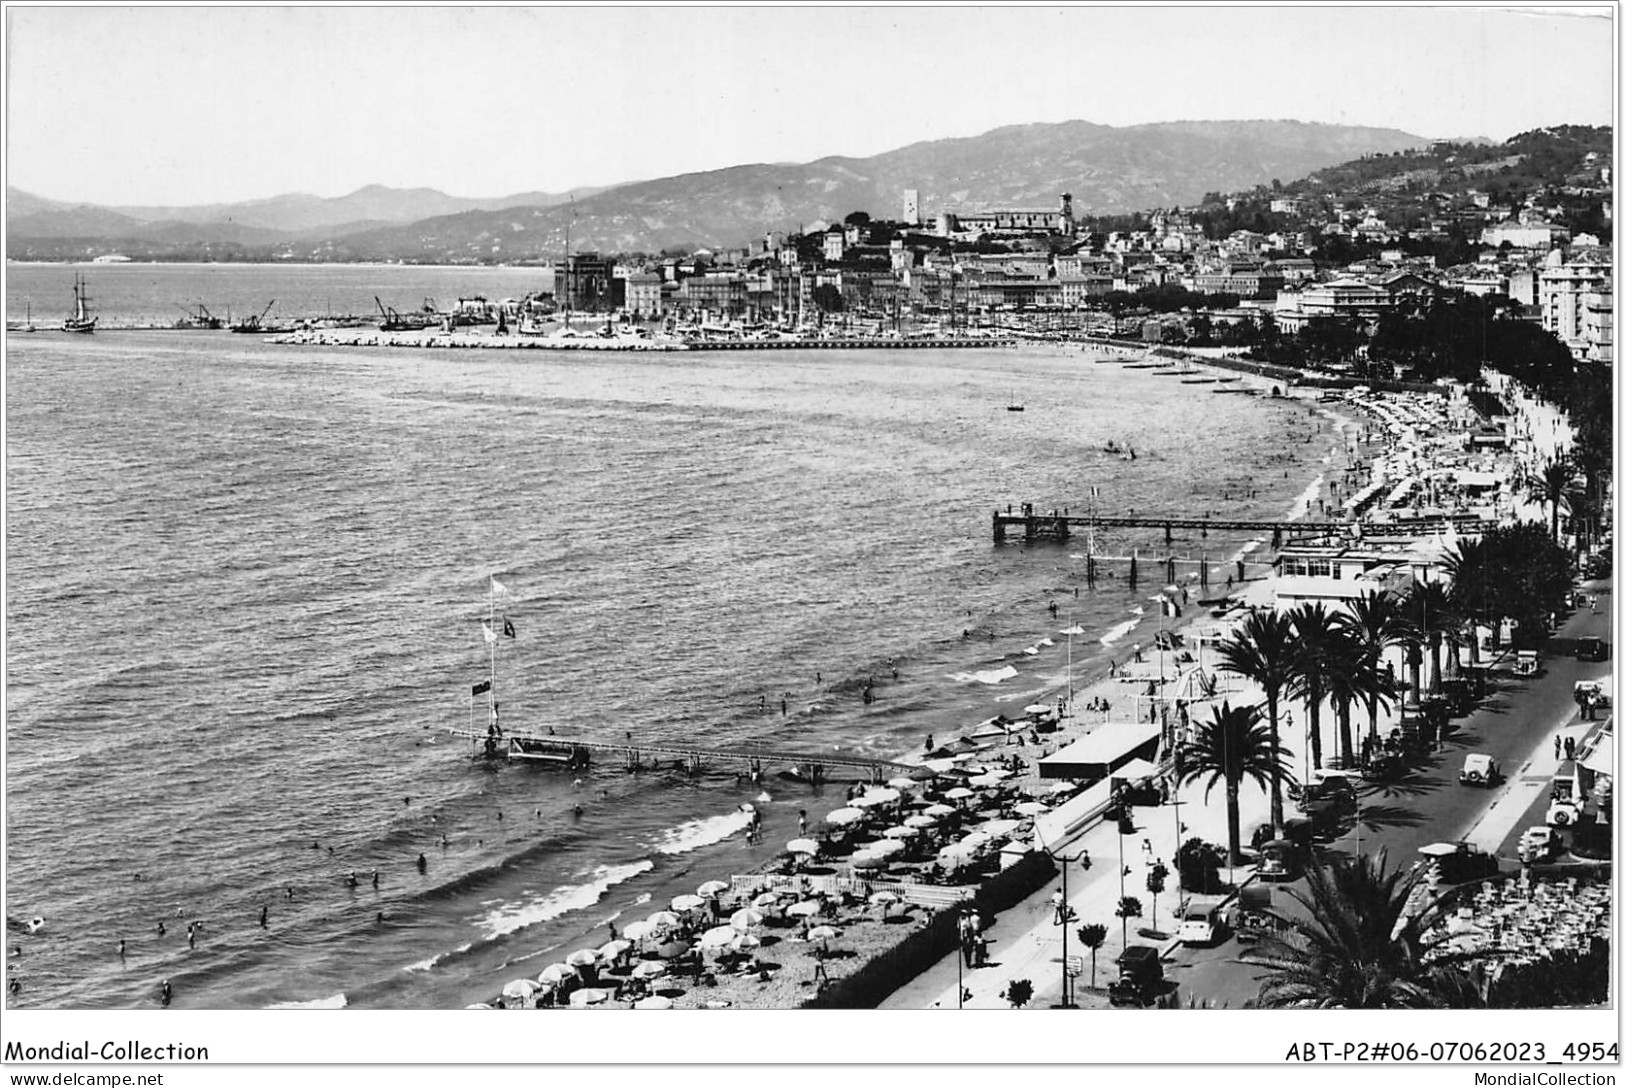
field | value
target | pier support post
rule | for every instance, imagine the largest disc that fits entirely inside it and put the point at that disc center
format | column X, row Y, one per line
column 1167, row 532
column 998, row 528
column 1204, row 570
column 1133, row 571
column 1170, row 570
column 1275, row 540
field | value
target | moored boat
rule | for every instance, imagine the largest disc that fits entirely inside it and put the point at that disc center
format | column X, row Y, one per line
column 81, row 321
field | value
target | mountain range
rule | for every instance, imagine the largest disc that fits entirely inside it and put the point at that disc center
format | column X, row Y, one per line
column 1106, row 169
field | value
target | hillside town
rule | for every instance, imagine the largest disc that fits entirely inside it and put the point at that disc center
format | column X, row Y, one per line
column 1174, row 275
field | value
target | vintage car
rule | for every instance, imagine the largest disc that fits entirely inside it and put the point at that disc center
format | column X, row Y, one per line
column 1139, row 970
column 1479, row 770
column 1539, row 844
column 1459, row 862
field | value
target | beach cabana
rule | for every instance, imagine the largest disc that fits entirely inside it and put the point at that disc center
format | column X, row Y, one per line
column 1102, row 752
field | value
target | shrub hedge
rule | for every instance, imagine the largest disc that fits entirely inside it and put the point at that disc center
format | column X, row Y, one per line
column 880, row 977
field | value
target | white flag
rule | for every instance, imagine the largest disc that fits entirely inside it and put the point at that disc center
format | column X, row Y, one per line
column 490, row 635
column 496, row 586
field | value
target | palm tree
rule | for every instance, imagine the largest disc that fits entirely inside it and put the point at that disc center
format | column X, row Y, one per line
column 1344, row 678
column 1313, row 627
column 1231, row 747
column 1552, row 484
column 1429, row 609
column 1262, row 651
column 1375, row 622
column 1358, row 947
column 1468, row 567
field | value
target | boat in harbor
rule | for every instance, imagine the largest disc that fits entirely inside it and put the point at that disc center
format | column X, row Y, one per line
column 255, row 323
column 81, row 321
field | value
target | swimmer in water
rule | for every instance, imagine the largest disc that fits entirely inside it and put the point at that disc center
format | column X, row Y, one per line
column 265, row 917
column 578, row 810
column 423, row 864
column 351, row 880
column 121, row 948
column 375, row 878
column 160, row 929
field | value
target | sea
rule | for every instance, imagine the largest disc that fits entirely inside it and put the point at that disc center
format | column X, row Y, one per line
column 248, row 584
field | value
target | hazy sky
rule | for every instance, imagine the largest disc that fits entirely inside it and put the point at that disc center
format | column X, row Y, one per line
column 189, row 105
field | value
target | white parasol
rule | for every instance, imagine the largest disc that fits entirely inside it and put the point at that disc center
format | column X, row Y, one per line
column 649, row 969
column 521, row 988
column 582, row 957
column 718, row 937
column 841, row 817
column 743, row 920
column 688, row 902
column 802, row 846
column 920, row 821
column 903, row 832
column 804, row 908
column 588, row 996
column 941, row 810
column 555, row 973
column 712, row 888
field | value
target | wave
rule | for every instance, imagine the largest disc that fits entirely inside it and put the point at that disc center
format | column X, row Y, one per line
column 337, row 1001
column 992, row 676
column 510, row 917
column 1075, row 629
column 1112, row 636
column 697, row 833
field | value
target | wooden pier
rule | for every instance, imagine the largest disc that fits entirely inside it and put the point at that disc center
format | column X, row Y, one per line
column 573, row 753
column 1059, row 525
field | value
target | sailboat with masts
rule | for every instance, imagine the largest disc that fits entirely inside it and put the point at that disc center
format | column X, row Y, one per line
column 81, row 321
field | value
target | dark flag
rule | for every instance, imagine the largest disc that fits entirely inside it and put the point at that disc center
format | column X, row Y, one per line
column 507, row 627
column 482, row 687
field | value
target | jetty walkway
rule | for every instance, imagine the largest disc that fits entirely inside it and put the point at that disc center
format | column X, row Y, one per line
column 575, row 752
column 1058, row 525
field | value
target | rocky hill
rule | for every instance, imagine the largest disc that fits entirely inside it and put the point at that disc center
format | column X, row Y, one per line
column 1106, row 169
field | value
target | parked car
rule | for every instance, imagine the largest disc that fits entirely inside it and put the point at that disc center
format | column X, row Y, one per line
column 1479, row 770
column 1591, row 648
column 1528, row 663
column 1539, row 844
column 1139, row 970
column 1457, row 862
column 1251, row 915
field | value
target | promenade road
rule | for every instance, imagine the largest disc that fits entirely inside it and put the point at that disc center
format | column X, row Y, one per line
column 1516, row 725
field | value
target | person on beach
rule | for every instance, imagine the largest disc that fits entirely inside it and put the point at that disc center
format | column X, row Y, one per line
column 351, row 881
column 930, row 743
column 121, row 948
column 165, row 994
column 265, row 917
column 423, row 864
column 1085, row 862
column 802, row 821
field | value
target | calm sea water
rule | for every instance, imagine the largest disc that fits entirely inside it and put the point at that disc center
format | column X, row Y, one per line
column 246, row 585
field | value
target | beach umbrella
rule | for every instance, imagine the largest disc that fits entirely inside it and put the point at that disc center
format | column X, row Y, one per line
column 664, row 919
column 885, row 898
column 745, row 919
column 1037, row 708
column 766, row 901
column 638, row 931
column 920, row 822
column 1062, row 787
column 942, row 810
column 802, row 846
column 940, row 766
column 822, row 933
column 883, row 796
column 805, row 908
column 479, row 1005
column 994, row 828
column 654, row 1002
column 671, row 949
column 983, row 782
column 868, row 801
column 613, row 949
column 746, row 942
column 555, row 973
column 998, row 774
column 588, row 996
column 887, row 847
column 864, row 859
column 712, row 888
column 687, row 902
column 904, row 832
column 958, row 793
column 1032, row 808
column 901, row 782
column 841, row 817
column 952, row 850
column 521, row 988
column 975, row 840
column 649, row 969
column 923, row 774
column 718, row 937
column 583, row 957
